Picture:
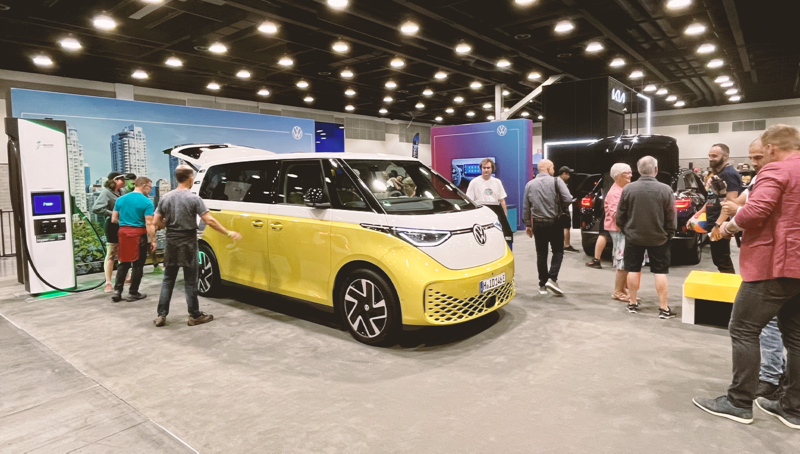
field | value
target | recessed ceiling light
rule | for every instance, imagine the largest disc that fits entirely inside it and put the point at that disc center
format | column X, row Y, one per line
column 302, row 84
column 524, row 113
column 650, row 88
column 388, row 99
column 475, row 85
column 470, row 113
column 678, row 4
column 350, row 92
column 409, row 28
column 268, row 27
column 383, row 111
column 722, row 79
column 175, row 62
column 285, row 61
column 391, row 84
column 540, row 117
column 218, row 48
column 594, row 47
column 524, row 2
column 706, row 48
column 506, row 109
column 139, row 74
column 309, row 99
column 397, row 62
column 680, row 104
column 243, row 74
column 463, row 48
column 503, row 63
column 487, row 106
column 636, row 75
column 695, row 29
column 439, row 118
column 349, row 108
column 104, row 22
column 617, row 62
column 340, row 46
column 735, row 98
column 731, row 91
column 672, row 98
column 263, row 92
column 70, row 44
column 715, row 63
column 154, row 1
column 213, row 86
column 346, row 73
column 419, row 105
column 564, row 26
column 338, row 4
column 440, row 75
column 42, row 60
column 726, row 84
column 449, row 110
column 662, row 91
column 490, row 117
column 458, row 99
column 506, row 93
column 535, row 75
column 427, row 92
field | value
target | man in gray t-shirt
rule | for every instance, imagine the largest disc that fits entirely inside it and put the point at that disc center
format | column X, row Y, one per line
column 177, row 212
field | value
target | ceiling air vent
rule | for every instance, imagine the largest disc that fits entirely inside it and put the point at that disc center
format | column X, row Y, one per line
column 705, row 128
column 749, row 125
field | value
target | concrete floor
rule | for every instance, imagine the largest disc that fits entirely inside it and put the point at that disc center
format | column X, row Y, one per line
column 544, row 374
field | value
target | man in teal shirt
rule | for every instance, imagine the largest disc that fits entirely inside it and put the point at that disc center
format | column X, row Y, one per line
column 134, row 212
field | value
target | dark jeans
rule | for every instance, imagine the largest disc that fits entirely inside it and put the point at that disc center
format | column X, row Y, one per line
column 721, row 255
column 552, row 233
column 136, row 275
column 756, row 304
column 189, row 287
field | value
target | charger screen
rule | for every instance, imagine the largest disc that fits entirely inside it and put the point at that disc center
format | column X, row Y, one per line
column 47, row 203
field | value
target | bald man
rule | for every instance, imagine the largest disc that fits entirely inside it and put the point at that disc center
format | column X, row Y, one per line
column 540, row 211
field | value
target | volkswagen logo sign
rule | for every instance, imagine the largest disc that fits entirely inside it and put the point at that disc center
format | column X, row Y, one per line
column 479, row 234
column 297, row 133
column 501, row 130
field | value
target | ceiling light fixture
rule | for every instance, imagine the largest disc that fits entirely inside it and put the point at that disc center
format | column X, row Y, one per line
column 350, row 92
column 309, row 99
column 340, row 46
column 427, row 92
column 213, row 86
column 726, row 84
column 302, row 84
column 672, row 98
column 475, row 85
column 391, row 84
column 706, row 48
column 487, row 106
column 525, row 113
column 218, row 48
column 617, row 63
column 490, row 117
column 732, row 91
column 139, row 74
column 564, row 26
column 678, row 4
column 695, row 29
column 463, row 48
column 662, row 91
column 650, row 88
column 154, row 1
column 636, row 75
column 383, row 111
column 506, row 109
column 263, row 92
column 506, row 93
column 470, row 113
column 338, row 4
column 440, row 75
column 715, row 63
column 243, row 74
column 349, row 108
column 42, row 60
column 524, row 2
column 409, row 28
column 540, row 117
column 346, row 73
column 735, row 98
column 397, row 62
column 594, row 47
column 503, row 63
column 174, row 62
column 268, row 27
column 70, row 44
column 458, row 99
column 449, row 110
column 285, row 61
column 419, row 105
column 388, row 99
column 722, row 79
column 680, row 104
column 438, row 118
column 535, row 75
column 104, row 22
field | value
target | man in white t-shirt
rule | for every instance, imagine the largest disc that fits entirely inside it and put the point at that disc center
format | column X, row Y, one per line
column 487, row 190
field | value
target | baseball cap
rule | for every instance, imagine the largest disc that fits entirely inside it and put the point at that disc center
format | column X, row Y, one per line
column 130, row 176
column 565, row 169
column 115, row 175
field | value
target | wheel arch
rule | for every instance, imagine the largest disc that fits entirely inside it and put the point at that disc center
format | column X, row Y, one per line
column 353, row 265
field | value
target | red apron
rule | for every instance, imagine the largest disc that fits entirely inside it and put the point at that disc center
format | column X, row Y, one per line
column 129, row 238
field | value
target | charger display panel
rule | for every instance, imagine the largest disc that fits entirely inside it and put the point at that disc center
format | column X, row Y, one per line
column 47, row 203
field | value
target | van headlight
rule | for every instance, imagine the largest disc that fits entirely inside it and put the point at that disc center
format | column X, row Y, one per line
column 423, row 238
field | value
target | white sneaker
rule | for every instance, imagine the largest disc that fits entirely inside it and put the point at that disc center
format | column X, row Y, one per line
column 553, row 287
column 542, row 290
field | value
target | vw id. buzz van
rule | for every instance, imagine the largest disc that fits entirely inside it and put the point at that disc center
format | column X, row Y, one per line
column 383, row 240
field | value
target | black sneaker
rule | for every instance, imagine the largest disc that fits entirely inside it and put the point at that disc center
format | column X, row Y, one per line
column 665, row 314
column 722, row 407
column 553, row 287
column 632, row 308
column 543, row 290
column 767, row 390
column 116, row 297
column 570, row 249
column 135, row 297
column 773, row 407
column 594, row 264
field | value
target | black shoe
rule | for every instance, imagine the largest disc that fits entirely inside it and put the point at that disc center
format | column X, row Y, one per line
column 553, row 287
column 768, row 391
column 632, row 308
column 570, row 249
column 135, row 297
column 665, row 314
column 594, row 264
column 116, row 297
column 773, row 407
column 722, row 407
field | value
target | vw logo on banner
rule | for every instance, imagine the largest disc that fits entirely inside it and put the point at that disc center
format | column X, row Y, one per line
column 479, row 234
column 501, row 130
column 297, row 133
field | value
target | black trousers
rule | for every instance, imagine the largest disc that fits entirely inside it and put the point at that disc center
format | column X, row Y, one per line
column 721, row 255
column 550, row 233
column 138, row 270
column 756, row 304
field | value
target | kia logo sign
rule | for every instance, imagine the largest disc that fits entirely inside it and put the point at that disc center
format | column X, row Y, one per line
column 479, row 234
column 617, row 95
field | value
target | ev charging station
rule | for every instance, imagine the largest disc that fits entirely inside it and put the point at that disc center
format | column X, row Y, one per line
column 39, row 178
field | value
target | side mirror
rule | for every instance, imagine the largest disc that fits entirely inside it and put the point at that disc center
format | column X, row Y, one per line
column 315, row 198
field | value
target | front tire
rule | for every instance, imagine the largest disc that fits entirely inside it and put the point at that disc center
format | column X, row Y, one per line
column 369, row 308
column 208, row 280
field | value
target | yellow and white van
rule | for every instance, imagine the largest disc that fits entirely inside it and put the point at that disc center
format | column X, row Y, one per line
column 382, row 239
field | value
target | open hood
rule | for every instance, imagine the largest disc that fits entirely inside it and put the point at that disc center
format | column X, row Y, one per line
column 198, row 155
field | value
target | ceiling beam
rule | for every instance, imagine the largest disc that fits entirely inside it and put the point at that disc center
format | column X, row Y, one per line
column 524, row 101
column 738, row 36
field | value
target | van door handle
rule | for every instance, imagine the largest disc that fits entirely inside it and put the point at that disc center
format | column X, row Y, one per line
column 257, row 224
column 276, row 226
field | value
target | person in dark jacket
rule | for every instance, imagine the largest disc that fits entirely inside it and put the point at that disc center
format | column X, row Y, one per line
column 104, row 206
column 646, row 216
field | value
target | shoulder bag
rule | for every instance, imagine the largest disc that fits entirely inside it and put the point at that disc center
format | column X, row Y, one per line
column 563, row 218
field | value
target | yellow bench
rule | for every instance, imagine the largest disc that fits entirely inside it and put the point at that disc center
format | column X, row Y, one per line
column 704, row 285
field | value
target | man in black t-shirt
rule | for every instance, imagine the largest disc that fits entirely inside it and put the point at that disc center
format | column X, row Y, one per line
column 718, row 158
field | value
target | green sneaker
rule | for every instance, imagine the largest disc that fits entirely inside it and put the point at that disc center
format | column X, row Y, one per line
column 158, row 270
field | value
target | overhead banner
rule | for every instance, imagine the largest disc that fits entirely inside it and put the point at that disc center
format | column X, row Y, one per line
column 415, row 147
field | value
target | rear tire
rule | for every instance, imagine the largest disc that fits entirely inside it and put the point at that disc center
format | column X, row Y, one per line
column 369, row 308
column 588, row 242
column 208, row 280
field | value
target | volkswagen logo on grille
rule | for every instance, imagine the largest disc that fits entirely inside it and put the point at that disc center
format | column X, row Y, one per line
column 297, row 133
column 479, row 234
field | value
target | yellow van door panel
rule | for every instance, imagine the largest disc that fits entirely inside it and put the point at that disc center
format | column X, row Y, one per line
column 300, row 257
column 248, row 258
column 221, row 244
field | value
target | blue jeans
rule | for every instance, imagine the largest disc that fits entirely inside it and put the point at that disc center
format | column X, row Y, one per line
column 189, row 286
column 773, row 363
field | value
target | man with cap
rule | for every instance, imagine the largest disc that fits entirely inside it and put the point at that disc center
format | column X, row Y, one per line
column 130, row 179
column 104, row 206
column 564, row 173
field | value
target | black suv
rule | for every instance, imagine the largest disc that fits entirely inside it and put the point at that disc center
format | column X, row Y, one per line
column 592, row 163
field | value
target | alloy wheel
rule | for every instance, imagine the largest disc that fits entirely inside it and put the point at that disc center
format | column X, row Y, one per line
column 205, row 275
column 365, row 308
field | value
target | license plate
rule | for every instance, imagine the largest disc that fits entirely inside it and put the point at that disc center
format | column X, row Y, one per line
column 493, row 282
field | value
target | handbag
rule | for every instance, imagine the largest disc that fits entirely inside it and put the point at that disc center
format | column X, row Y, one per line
column 563, row 220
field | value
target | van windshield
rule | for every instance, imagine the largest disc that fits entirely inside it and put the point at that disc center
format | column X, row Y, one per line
column 409, row 187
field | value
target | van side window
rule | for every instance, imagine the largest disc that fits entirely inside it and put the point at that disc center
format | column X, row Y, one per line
column 241, row 182
column 297, row 177
column 345, row 195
